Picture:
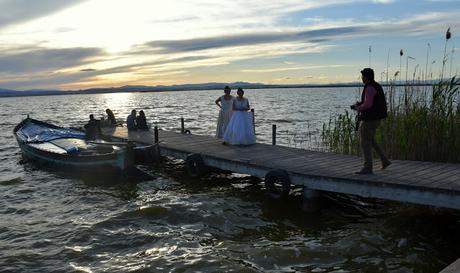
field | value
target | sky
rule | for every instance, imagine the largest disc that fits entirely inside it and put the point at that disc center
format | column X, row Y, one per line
column 80, row 44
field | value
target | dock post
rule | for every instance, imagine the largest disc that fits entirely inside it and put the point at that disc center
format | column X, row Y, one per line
column 182, row 125
column 253, row 121
column 155, row 134
column 274, row 134
column 310, row 200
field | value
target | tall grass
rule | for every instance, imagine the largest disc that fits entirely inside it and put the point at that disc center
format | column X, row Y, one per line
column 422, row 123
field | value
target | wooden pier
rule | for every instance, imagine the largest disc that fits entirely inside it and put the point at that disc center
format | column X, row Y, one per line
column 427, row 183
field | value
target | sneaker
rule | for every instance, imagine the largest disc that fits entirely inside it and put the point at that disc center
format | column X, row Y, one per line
column 364, row 171
column 385, row 164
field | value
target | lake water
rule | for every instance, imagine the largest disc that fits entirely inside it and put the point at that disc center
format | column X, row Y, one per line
column 223, row 222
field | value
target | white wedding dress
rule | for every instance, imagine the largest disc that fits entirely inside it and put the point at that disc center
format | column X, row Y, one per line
column 240, row 129
column 225, row 114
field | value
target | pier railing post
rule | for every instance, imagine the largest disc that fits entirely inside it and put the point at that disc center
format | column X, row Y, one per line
column 274, row 134
column 182, row 125
column 253, row 121
column 155, row 134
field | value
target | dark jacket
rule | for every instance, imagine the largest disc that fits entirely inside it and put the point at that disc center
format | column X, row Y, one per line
column 131, row 122
column 379, row 105
column 92, row 129
column 141, row 122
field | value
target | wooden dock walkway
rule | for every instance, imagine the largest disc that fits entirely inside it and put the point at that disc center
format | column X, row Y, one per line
column 428, row 183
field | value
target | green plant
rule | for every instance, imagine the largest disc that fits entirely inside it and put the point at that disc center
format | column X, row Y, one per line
column 420, row 125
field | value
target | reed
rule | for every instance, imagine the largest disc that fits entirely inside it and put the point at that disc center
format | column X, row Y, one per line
column 422, row 124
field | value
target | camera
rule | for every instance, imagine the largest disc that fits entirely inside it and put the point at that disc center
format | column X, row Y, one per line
column 353, row 107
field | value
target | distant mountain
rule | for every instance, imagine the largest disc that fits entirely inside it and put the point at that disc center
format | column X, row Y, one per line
column 177, row 87
column 15, row 93
column 133, row 88
column 8, row 93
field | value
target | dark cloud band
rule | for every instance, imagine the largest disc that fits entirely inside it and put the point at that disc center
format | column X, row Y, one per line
column 18, row 11
column 42, row 59
column 172, row 46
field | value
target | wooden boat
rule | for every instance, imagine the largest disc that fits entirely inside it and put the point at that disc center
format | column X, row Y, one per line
column 60, row 147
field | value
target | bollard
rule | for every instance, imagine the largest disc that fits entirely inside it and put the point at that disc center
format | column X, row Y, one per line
column 274, row 134
column 182, row 126
column 155, row 134
column 253, row 121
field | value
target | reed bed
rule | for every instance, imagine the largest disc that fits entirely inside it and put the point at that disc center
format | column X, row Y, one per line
column 421, row 125
column 423, row 122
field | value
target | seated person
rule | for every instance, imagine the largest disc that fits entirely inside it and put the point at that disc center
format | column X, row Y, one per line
column 141, row 121
column 111, row 118
column 131, row 121
column 92, row 128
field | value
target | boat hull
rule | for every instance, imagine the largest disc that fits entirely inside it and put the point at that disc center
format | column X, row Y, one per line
column 115, row 160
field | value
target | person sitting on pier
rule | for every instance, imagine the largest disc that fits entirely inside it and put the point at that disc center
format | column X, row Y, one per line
column 225, row 104
column 92, row 128
column 240, row 129
column 141, row 121
column 111, row 118
column 131, row 121
column 372, row 109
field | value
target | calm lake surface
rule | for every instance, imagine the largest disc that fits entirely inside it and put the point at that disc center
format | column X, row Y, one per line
column 55, row 222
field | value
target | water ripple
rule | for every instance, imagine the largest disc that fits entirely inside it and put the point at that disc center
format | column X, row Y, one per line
column 223, row 222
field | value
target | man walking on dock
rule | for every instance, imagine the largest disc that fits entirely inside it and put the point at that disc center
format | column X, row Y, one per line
column 372, row 108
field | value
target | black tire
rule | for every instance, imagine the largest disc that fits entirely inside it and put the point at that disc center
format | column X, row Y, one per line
column 195, row 165
column 278, row 184
column 187, row 132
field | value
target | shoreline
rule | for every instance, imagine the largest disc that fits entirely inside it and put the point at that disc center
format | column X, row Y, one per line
column 10, row 94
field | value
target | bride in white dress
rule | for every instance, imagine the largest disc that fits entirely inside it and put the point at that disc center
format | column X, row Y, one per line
column 225, row 103
column 240, row 129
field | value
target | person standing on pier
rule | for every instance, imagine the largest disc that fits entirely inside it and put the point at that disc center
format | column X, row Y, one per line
column 240, row 129
column 131, row 121
column 372, row 109
column 225, row 104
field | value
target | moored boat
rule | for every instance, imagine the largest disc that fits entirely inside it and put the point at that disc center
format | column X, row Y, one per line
column 60, row 147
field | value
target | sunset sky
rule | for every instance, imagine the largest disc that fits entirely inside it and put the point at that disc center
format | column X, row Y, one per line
column 78, row 44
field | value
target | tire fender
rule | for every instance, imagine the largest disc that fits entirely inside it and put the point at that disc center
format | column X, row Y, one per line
column 278, row 184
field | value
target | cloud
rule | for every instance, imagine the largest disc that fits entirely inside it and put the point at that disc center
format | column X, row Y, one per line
column 204, row 34
column 267, row 70
column 420, row 24
column 174, row 20
column 174, row 46
column 383, row 1
column 29, row 60
column 44, row 79
column 18, row 11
